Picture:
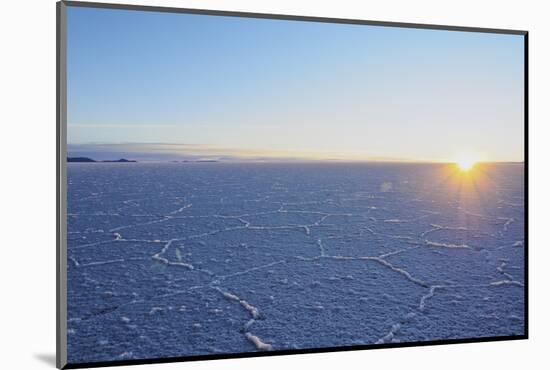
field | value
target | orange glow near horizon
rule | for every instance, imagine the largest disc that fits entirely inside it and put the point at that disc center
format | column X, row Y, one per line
column 465, row 166
column 466, row 161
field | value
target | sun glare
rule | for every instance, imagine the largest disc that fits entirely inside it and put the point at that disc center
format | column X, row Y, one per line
column 465, row 163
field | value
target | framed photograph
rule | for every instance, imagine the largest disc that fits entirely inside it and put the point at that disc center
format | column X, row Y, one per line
column 235, row 184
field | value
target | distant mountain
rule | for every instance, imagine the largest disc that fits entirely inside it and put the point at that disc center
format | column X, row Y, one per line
column 90, row 160
column 122, row 160
column 80, row 159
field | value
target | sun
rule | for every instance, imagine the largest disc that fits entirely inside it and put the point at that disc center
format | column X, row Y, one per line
column 466, row 163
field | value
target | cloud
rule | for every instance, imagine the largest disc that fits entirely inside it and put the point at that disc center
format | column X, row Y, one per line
column 155, row 151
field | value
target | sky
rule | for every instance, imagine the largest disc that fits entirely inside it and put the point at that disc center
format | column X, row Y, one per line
column 162, row 86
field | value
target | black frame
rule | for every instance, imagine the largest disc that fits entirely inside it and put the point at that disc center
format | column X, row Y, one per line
column 61, row 193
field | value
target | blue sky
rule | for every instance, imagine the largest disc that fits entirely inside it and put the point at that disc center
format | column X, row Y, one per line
column 225, row 86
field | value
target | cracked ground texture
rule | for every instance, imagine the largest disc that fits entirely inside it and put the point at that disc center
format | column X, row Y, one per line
column 181, row 259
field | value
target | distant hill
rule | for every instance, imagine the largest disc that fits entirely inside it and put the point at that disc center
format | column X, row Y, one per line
column 122, row 160
column 90, row 160
column 80, row 159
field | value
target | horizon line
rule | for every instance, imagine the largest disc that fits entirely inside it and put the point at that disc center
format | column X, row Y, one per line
column 192, row 151
column 289, row 160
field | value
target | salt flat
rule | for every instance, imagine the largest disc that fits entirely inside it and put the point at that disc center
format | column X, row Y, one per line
column 179, row 259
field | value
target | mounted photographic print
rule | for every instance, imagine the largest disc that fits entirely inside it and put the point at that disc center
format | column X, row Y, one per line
column 235, row 184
